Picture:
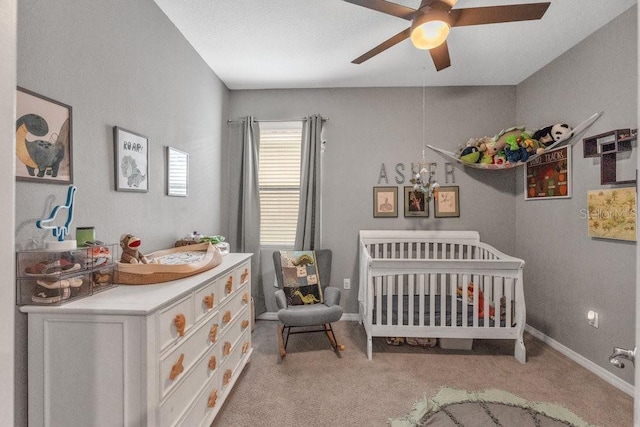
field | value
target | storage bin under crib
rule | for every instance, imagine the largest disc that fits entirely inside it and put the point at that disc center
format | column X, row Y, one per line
column 439, row 284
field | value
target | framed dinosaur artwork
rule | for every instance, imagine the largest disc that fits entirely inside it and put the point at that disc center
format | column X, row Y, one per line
column 131, row 160
column 43, row 139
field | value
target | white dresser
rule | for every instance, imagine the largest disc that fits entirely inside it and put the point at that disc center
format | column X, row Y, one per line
column 148, row 355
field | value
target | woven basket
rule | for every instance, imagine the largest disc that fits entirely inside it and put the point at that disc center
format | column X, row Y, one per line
column 146, row 274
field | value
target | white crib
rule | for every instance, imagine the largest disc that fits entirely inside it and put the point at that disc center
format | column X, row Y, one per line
column 409, row 280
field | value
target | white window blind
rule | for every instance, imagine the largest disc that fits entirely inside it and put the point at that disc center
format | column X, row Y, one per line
column 279, row 180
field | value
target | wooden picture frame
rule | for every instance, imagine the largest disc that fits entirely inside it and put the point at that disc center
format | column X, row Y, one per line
column 43, row 139
column 446, row 202
column 416, row 204
column 131, row 160
column 385, row 202
column 177, row 172
column 548, row 176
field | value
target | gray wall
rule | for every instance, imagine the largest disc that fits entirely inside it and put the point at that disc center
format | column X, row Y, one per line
column 8, row 21
column 567, row 273
column 120, row 63
column 368, row 127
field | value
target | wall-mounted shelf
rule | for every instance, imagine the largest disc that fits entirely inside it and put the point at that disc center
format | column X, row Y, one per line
column 609, row 146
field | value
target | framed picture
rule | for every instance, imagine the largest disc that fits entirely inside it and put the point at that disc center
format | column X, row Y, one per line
column 177, row 172
column 446, row 201
column 385, row 202
column 415, row 203
column 131, row 160
column 548, row 176
column 612, row 213
column 43, row 139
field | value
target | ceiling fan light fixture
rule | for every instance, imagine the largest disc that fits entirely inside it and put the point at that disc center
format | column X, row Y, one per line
column 430, row 30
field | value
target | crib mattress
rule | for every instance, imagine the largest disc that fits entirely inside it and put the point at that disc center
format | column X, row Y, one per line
column 427, row 312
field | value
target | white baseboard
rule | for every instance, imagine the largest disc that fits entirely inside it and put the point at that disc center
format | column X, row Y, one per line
column 272, row 315
column 582, row 361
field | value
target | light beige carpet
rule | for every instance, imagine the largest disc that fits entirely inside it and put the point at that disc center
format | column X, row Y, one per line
column 460, row 408
column 314, row 387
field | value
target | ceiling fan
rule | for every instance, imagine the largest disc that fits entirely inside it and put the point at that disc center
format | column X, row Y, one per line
column 431, row 22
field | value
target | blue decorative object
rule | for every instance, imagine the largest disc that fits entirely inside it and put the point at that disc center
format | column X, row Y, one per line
column 60, row 232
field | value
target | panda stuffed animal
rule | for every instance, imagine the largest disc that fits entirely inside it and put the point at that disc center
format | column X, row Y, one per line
column 552, row 134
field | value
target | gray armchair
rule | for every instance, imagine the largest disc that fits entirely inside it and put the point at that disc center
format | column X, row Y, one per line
column 305, row 317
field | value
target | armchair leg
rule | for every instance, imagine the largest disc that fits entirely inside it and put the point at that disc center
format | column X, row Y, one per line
column 281, row 347
column 332, row 337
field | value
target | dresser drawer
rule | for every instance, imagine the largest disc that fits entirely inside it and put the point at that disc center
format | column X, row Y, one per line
column 243, row 274
column 226, row 285
column 176, row 365
column 175, row 321
column 184, row 395
column 240, row 324
column 206, row 299
column 232, row 308
column 229, row 369
column 208, row 401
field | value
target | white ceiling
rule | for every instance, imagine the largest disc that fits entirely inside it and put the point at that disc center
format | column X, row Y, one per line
column 260, row 44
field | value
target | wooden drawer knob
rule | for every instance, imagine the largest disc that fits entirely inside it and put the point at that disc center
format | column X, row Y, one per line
column 227, row 348
column 212, row 363
column 245, row 298
column 245, row 347
column 180, row 322
column 213, row 333
column 227, row 377
column 212, row 398
column 226, row 318
column 177, row 368
column 244, row 324
column 228, row 287
column 243, row 277
column 208, row 301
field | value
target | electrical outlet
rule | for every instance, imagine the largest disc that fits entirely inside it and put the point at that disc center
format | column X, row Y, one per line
column 592, row 317
column 347, row 283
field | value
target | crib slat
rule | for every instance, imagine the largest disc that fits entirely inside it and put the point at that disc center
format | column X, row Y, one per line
column 465, row 301
column 454, row 297
column 389, row 300
column 432, row 304
column 421, row 279
column 378, row 299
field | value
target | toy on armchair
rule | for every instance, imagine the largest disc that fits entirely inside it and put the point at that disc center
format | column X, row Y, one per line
column 130, row 254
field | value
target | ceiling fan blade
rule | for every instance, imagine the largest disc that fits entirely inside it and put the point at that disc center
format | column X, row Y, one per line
column 440, row 56
column 497, row 14
column 386, row 7
column 383, row 46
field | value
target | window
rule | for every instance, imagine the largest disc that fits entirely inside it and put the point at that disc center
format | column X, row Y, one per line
column 279, row 180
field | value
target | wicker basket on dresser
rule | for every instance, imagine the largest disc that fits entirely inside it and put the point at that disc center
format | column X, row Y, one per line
column 155, row 355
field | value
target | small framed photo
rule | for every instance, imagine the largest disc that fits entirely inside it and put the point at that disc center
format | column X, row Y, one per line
column 131, row 160
column 385, row 202
column 446, row 202
column 177, row 172
column 548, row 176
column 415, row 203
column 43, row 139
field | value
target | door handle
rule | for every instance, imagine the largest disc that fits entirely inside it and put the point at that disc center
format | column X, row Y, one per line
column 622, row 353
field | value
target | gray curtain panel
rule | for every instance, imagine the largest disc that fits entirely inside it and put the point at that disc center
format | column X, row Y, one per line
column 245, row 226
column 308, row 232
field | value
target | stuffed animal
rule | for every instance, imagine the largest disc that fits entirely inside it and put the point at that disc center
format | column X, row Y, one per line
column 513, row 151
column 554, row 133
column 492, row 311
column 130, row 254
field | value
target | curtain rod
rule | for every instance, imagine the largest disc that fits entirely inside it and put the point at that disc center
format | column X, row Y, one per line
column 275, row 121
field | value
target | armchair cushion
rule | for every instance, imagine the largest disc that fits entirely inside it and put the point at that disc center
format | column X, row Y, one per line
column 309, row 315
column 301, row 278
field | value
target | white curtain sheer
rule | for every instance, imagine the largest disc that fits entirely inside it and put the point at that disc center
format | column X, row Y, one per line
column 308, row 231
column 244, row 228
